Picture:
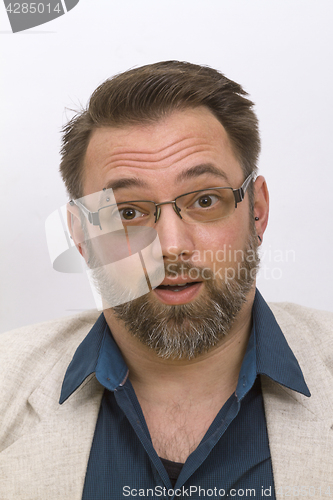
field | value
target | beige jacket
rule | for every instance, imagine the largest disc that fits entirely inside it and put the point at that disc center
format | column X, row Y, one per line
column 44, row 446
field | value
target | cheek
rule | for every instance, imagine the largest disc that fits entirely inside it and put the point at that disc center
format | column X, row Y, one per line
column 221, row 244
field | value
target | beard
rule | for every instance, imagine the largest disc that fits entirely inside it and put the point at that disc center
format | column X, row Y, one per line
column 185, row 331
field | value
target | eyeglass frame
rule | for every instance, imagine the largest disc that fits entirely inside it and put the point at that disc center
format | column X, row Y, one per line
column 93, row 217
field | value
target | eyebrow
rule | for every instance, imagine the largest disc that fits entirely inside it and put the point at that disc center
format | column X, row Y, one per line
column 126, row 183
column 206, row 168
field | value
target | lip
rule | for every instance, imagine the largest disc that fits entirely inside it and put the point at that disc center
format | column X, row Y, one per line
column 179, row 281
column 183, row 296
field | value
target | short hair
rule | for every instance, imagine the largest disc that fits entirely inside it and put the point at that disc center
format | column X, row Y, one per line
column 147, row 94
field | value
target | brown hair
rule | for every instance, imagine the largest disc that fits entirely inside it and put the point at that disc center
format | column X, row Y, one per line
column 146, row 94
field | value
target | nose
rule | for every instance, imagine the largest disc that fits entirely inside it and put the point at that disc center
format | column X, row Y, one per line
column 176, row 236
column 158, row 209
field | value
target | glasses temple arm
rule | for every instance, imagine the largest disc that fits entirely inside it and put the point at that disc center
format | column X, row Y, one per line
column 92, row 217
column 240, row 193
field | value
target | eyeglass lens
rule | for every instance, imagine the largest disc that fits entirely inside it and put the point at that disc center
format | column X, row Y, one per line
column 201, row 206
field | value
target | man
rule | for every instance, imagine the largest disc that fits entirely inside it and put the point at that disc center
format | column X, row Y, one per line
column 193, row 389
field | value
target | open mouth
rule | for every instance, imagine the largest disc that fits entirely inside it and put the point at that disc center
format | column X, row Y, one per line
column 177, row 288
column 178, row 293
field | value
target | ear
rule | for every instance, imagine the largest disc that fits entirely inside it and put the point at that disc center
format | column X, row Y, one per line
column 261, row 205
column 75, row 229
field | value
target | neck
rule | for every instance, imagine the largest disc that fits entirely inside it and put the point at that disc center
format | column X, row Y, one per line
column 217, row 370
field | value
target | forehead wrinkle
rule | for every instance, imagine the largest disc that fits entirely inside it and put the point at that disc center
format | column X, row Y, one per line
column 182, row 141
column 124, row 149
column 166, row 161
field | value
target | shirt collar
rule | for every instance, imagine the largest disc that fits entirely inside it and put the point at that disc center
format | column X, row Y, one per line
column 99, row 354
column 267, row 353
column 274, row 357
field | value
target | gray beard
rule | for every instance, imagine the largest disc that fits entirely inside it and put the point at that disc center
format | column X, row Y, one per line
column 188, row 330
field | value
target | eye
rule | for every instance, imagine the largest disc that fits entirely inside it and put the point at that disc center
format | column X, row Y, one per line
column 130, row 213
column 206, row 201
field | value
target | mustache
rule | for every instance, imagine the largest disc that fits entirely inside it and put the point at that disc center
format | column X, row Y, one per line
column 181, row 268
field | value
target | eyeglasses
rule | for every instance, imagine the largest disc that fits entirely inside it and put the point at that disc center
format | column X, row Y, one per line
column 205, row 205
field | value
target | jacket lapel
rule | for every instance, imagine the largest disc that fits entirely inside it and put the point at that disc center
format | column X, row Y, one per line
column 300, row 428
column 51, row 458
column 301, row 442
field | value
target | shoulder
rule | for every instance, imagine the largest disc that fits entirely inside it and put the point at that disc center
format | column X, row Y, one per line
column 288, row 314
column 306, row 328
column 288, row 311
column 43, row 343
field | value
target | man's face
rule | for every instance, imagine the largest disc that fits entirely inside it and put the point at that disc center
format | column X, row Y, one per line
column 186, row 151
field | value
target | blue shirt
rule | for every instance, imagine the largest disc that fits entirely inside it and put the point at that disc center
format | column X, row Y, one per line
column 232, row 457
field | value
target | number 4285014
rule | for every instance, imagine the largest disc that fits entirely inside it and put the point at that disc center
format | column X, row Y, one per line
column 33, row 8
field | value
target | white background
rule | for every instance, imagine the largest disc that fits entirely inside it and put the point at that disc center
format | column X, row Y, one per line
column 281, row 52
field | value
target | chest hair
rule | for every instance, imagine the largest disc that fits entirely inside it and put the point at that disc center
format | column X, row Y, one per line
column 178, row 430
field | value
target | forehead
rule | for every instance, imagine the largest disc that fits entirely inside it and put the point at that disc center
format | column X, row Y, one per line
column 157, row 153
